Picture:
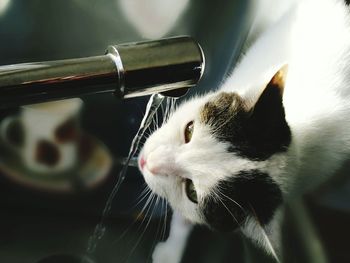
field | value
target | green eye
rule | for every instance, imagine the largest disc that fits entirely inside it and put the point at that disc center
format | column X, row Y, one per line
column 188, row 132
column 191, row 191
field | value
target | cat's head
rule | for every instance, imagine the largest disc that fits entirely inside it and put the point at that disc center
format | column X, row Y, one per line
column 217, row 158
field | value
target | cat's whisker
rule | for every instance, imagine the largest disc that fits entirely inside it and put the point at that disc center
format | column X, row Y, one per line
column 171, row 103
column 228, row 210
column 145, row 210
column 154, row 125
column 162, row 210
column 233, row 216
column 169, row 109
column 162, row 109
column 152, row 206
column 143, row 193
column 163, row 228
column 173, row 107
column 142, row 197
column 144, row 230
column 263, row 232
column 166, row 106
column 148, row 205
column 146, row 135
column 165, row 219
column 146, row 191
column 148, row 132
column 235, row 202
column 156, row 119
column 159, row 229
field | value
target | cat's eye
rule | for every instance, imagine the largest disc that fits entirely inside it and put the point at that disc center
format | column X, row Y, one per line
column 191, row 191
column 188, row 132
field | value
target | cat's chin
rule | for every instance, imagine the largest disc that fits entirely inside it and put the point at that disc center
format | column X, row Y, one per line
column 153, row 183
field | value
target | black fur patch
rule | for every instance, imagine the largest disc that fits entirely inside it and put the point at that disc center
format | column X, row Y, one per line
column 257, row 194
column 255, row 133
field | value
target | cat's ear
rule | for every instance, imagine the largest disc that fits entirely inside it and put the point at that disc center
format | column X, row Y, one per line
column 269, row 104
column 273, row 91
column 268, row 127
column 279, row 79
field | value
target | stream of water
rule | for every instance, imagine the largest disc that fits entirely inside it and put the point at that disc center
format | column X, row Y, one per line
column 151, row 111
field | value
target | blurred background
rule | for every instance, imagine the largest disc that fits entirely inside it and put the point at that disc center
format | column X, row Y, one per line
column 46, row 212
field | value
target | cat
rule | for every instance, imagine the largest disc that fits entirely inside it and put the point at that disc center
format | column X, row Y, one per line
column 276, row 128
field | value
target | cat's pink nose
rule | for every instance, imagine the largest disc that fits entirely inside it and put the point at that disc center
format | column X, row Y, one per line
column 142, row 162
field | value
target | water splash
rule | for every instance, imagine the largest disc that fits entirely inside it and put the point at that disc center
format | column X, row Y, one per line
column 151, row 110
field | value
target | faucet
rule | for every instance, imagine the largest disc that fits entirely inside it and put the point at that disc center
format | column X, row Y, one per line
column 168, row 66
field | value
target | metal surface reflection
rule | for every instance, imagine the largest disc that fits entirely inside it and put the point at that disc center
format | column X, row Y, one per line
column 169, row 66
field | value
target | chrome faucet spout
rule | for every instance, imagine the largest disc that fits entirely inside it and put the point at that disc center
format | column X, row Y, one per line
column 169, row 66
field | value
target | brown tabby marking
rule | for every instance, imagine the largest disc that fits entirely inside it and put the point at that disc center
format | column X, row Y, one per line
column 222, row 108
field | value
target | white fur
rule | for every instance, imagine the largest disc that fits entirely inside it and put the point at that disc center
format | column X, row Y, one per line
column 172, row 249
column 266, row 13
column 313, row 38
